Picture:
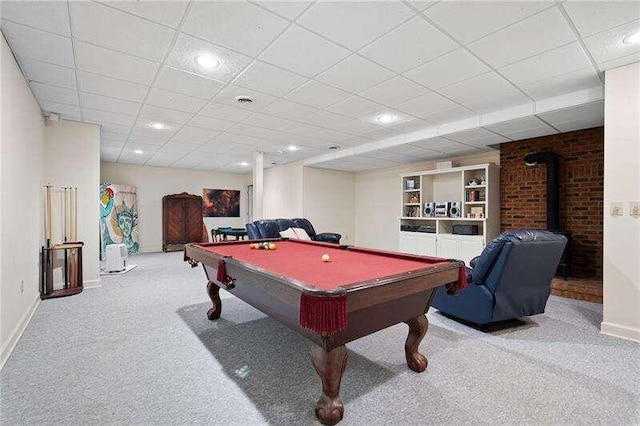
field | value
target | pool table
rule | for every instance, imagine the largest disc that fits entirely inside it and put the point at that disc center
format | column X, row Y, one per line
column 355, row 293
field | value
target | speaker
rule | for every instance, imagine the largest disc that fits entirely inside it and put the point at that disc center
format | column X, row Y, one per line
column 455, row 208
column 429, row 209
column 465, row 229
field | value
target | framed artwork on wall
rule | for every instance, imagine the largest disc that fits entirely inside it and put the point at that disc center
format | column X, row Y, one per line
column 220, row 203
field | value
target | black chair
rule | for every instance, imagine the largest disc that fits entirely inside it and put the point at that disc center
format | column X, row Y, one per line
column 510, row 279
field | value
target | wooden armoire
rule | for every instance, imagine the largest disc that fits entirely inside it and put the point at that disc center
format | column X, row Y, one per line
column 181, row 221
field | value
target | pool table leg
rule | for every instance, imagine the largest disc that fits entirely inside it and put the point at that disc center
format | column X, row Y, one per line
column 329, row 365
column 214, row 312
column 417, row 329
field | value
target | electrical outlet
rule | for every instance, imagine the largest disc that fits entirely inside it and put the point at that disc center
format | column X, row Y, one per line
column 21, row 286
column 634, row 208
column 617, row 209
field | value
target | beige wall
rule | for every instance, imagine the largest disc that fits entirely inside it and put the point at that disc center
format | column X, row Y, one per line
column 329, row 201
column 621, row 269
column 21, row 182
column 283, row 186
column 155, row 182
column 378, row 200
column 72, row 159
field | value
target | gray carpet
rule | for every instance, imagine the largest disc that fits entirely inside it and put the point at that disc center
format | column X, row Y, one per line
column 140, row 350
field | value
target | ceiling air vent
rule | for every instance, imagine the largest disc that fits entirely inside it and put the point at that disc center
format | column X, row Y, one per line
column 244, row 99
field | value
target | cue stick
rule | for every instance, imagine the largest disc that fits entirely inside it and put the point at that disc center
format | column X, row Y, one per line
column 64, row 216
column 75, row 214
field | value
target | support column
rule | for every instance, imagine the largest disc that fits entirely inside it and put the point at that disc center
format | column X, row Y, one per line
column 258, row 185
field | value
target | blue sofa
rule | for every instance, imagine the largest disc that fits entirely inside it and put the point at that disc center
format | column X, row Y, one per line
column 270, row 228
column 510, row 279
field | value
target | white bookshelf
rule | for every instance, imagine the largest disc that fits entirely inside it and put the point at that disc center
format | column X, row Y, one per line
column 475, row 188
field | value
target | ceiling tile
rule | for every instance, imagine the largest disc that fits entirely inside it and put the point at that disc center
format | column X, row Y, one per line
column 481, row 92
column 103, row 117
column 564, row 83
column 608, row 45
column 399, row 50
column 290, row 110
column 49, row 93
column 252, row 131
column 354, row 24
column 172, row 100
column 229, row 94
column 211, row 123
column 107, row 27
column 101, row 85
column 326, row 119
column 575, row 118
column 115, row 137
column 411, row 126
column 619, row 62
column 267, row 121
column 163, row 114
column 477, row 136
column 45, row 15
column 186, row 49
column 354, row 107
column 240, row 26
column 448, row 69
column 187, row 83
column 546, row 65
column 225, row 112
column 144, row 140
column 113, row 128
column 454, row 113
column 66, row 111
column 109, row 153
column 111, row 143
column 355, row 74
column 292, row 51
column 425, row 105
column 43, row 46
column 46, row 73
column 524, row 39
column 394, row 91
column 269, row 79
column 522, row 128
column 114, row 64
column 592, row 17
column 317, row 94
column 288, row 9
column 104, row 103
column 163, row 12
column 467, row 21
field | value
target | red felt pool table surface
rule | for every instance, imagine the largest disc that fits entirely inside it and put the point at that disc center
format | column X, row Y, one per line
column 303, row 262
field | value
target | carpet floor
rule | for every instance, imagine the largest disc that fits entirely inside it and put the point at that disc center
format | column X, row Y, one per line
column 140, row 349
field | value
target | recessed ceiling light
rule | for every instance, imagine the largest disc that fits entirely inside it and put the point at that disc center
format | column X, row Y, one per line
column 158, row 126
column 386, row 118
column 292, row 148
column 139, row 151
column 208, row 61
column 632, row 39
column 244, row 163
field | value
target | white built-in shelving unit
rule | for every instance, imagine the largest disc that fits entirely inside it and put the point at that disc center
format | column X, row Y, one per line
column 475, row 189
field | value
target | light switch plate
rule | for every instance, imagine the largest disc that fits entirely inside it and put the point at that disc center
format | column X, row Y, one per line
column 617, row 209
column 634, row 208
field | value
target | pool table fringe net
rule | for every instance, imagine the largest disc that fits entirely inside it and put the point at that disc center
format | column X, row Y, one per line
column 328, row 315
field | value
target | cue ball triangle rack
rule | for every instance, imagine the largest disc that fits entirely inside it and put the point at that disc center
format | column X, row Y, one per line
column 61, row 272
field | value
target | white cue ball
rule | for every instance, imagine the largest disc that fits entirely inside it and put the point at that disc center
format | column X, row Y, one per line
column 325, row 257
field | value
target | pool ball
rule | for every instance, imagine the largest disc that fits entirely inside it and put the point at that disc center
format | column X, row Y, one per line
column 325, row 257
column 252, row 246
column 272, row 246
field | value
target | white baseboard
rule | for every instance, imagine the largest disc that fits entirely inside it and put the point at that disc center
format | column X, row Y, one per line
column 17, row 332
column 150, row 250
column 621, row 331
column 92, row 283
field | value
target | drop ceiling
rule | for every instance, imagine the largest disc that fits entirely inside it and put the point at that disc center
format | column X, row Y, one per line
column 456, row 77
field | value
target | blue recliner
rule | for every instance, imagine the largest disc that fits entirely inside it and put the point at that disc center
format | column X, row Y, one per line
column 270, row 228
column 510, row 279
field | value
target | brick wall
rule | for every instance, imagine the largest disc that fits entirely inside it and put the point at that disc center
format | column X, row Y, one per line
column 523, row 192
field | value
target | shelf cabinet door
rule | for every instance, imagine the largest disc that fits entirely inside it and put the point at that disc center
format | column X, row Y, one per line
column 469, row 247
column 447, row 246
column 408, row 242
column 426, row 244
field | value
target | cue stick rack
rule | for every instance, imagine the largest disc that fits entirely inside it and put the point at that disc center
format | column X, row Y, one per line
column 61, row 271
